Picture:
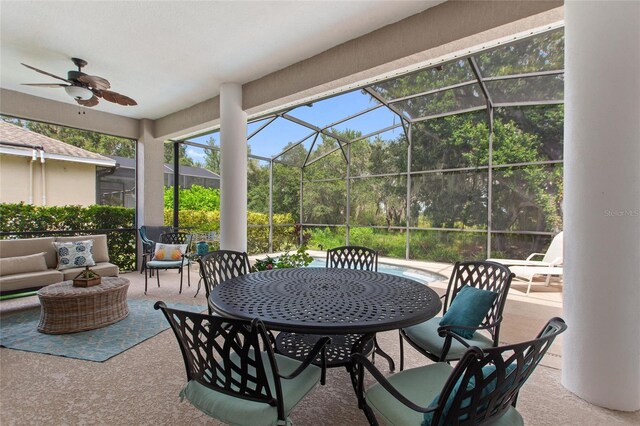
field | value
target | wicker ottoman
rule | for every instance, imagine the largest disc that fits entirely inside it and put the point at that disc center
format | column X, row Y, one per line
column 68, row 309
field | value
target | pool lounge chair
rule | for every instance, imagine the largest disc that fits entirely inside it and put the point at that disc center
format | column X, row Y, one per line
column 528, row 272
column 551, row 263
column 553, row 256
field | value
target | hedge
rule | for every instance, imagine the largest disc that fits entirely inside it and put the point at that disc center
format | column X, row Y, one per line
column 76, row 220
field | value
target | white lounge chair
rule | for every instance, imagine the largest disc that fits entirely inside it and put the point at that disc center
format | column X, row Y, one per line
column 553, row 256
column 528, row 272
column 551, row 263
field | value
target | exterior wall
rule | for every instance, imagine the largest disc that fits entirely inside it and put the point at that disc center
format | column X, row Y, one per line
column 14, row 178
column 66, row 183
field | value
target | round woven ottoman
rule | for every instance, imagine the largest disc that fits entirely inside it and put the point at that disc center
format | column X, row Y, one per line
column 68, row 309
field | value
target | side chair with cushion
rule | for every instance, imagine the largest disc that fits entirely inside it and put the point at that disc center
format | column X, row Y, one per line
column 233, row 375
column 149, row 235
column 472, row 313
column 338, row 353
column 481, row 389
column 171, row 252
column 219, row 266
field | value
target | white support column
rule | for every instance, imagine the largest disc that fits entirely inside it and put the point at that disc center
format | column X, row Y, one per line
column 601, row 348
column 149, row 179
column 233, row 169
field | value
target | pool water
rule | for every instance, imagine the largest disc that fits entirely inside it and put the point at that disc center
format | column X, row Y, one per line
column 402, row 271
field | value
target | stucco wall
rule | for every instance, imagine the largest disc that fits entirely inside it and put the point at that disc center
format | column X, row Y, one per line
column 66, row 183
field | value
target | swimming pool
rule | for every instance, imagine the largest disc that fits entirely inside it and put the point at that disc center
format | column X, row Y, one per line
column 424, row 277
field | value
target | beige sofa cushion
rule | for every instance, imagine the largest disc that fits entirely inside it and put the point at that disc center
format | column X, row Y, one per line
column 27, row 246
column 29, row 280
column 100, row 248
column 21, row 264
column 103, row 269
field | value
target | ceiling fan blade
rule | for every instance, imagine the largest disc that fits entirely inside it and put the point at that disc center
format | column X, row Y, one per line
column 93, row 101
column 45, row 73
column 46, row 84
column 117, row 98
column 95, row 82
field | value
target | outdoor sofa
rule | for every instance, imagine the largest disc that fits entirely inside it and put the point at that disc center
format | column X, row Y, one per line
column 31, row 263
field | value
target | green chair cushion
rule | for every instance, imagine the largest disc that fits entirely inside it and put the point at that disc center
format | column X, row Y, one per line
column 468, row 308
column 419, row 385
column 426, row 336
column 237, row 411
column 159, row 264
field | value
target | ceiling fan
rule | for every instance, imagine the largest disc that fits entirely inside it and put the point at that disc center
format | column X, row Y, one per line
column 84, row 88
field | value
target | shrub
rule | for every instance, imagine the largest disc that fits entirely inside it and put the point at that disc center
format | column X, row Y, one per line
column 117, row 221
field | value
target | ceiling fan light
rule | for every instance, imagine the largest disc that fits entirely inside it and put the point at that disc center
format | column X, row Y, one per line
column 78, row 92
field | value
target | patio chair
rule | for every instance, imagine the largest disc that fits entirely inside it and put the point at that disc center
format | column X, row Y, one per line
column 481, row 389
column 339, row 352
column 552, row 257
column 170, row 253
column 219, row 266
column 466, row 320
column 550, row 265
column 148, row 237
column 233, row 375
column 527, row 273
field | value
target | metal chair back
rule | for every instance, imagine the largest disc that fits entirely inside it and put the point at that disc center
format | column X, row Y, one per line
column 219, row 266
column 484, row 384
column 352, row 257
column 484, row 275
column 223, row 354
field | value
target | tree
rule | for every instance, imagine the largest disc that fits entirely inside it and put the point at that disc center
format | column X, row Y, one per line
column 91, row 141
column 184, row 159
column 212, row 157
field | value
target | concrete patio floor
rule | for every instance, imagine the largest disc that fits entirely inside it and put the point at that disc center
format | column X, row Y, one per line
column 141, row 385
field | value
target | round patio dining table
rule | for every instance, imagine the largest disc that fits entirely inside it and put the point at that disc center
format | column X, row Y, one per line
column 327, row 301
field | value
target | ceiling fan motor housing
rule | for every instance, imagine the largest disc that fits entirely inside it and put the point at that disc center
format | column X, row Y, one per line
column 74, row 75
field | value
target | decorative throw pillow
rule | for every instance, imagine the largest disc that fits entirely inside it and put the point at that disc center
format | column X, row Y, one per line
column 468, row 309
column 169, row 251
column 74, row 254
column 489, row 387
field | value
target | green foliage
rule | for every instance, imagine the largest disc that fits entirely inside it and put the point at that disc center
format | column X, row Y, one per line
column 185, row 160
column 121, row 241
column 195, row 198
column 298, row 259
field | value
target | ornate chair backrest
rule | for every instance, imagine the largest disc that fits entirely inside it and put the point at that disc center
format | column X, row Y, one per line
column 225, row 355
column 219, row 266
column 352, row 257
column 483, row 275
column 176, row 238
column 484, row 384
column 151, row 234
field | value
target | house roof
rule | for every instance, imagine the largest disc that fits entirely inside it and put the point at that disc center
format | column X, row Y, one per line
column 16, row 140
column 130, row 163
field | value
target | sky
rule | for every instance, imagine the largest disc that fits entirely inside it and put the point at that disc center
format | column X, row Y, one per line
column 272, row 139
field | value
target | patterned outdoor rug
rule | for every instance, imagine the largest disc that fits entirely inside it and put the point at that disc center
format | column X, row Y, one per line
column 19, row 331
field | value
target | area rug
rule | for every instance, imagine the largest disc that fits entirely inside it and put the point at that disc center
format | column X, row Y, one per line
column 19, row 331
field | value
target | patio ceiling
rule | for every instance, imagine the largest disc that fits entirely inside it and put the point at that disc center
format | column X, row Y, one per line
column 171, row 55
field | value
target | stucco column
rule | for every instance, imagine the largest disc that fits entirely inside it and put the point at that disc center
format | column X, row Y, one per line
column 233, row 169
column 150, row 176
column 601, row 348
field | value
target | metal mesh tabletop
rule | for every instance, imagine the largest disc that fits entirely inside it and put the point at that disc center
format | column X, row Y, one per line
column 326, row 300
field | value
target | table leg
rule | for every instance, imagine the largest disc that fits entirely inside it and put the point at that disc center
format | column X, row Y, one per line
column 383, row 354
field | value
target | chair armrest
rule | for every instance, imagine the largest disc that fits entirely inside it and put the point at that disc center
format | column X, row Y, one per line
column 556, row 262
column 311, row 356
column 534, row 254
column 446, row 332
column 361, row 361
